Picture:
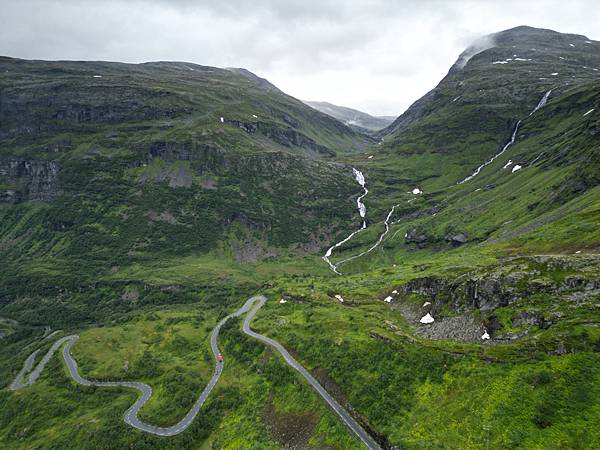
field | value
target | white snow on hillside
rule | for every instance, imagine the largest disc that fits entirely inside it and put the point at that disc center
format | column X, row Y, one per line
column 427, row 318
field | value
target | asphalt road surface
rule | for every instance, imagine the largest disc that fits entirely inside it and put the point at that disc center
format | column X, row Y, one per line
column 253, row 304
column 337, row 408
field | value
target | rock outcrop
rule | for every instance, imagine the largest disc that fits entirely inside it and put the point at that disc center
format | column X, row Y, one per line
column 29, row 179
column 287, row 137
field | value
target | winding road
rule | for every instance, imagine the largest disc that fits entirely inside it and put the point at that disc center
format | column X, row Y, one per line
column 335, row 406
column 27, row 377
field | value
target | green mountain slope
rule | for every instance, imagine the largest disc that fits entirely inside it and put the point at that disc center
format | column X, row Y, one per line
column 112, row 164
column 467, row 313
column 472, row 112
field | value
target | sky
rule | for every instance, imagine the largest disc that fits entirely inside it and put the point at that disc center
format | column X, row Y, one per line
column 377, row 56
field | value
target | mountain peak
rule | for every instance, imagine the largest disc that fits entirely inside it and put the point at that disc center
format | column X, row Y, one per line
column 523, row 38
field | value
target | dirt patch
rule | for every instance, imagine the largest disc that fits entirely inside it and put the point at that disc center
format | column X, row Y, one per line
column 330, row 386
column 131, row 295
column 250, row 250
column 164, row 216
column 208, row 184
column 176, row 177
column 291, row 430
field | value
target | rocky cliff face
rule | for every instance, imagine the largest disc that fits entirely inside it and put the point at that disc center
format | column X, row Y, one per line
column 28, row 180
column 508, row 302
column 287, row 137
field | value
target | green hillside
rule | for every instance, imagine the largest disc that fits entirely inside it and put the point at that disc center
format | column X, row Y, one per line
column 140, row 204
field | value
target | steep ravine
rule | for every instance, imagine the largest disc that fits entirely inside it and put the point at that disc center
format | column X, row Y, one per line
column 362, row 210
column 511, row 141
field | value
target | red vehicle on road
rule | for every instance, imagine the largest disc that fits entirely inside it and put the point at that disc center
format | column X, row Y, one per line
column 220, row 358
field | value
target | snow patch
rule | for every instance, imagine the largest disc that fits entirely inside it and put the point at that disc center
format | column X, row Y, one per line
column 417, row 191
column 588, row 42
column 509, row 163
column 485, row 336
column 339, row 297
column 388, row 299
column 395, row 292
column 255, row 116
column 97, row 76
column 589, row 112
column 572, row 45
column 500, row 62
column 427, row 318
column 426, row 304
column 282, row 301
column 517, row 167
column 222, row 120
column 554, row 74
column 370, row 157
column 577, row 252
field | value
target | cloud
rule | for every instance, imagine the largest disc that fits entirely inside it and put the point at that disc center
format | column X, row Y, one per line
column 375, row 55
column 478, row 46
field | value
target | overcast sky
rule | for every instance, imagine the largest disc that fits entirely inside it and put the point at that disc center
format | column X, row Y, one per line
column 375, row 55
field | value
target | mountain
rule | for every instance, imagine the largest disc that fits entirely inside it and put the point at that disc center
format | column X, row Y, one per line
column 471, row 113
column 353, row 118
column 108, row 159
column 504, row 147
column 445, row 273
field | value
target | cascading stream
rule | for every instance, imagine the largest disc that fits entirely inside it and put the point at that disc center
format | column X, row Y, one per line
column 362, row 210
column 512, row 140
column 541, row 103
column 386, row 224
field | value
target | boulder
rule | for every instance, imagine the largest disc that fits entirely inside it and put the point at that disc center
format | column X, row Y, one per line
column 415, row 236
column 456, row 239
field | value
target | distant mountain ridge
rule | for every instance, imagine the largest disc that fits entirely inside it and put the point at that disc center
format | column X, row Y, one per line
column 352, row 117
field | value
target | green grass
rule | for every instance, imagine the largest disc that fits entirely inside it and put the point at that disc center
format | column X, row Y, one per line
column 143, row 269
